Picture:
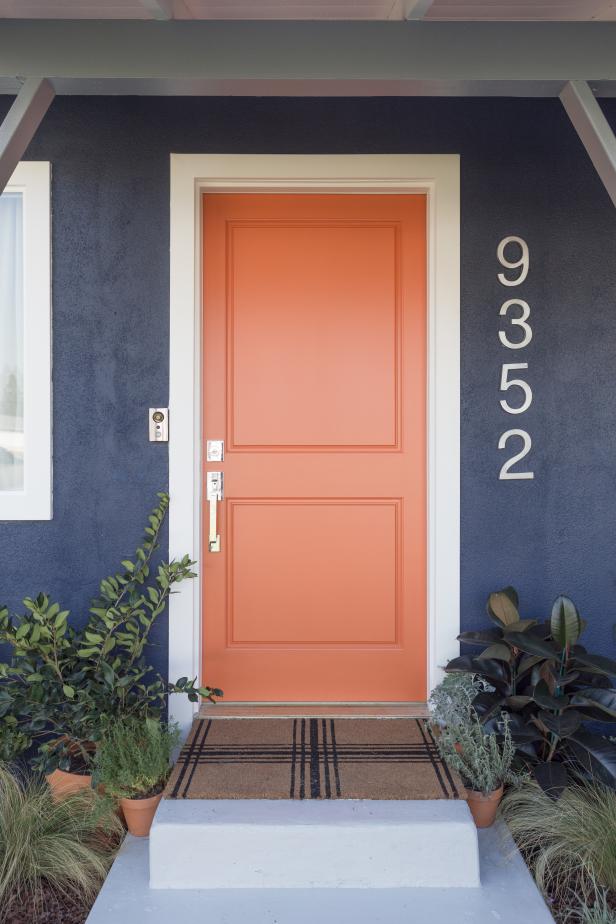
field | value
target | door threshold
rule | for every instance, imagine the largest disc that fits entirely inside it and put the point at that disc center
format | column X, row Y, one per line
column 313, row 711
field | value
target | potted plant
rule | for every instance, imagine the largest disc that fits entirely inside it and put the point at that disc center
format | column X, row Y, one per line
column 64, row 684
column 133, row 763
column 550, row 686
column 483, row 760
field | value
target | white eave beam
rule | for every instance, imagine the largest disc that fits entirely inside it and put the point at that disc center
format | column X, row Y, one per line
column 594, row 130
column 21, row 122
column 373, row 57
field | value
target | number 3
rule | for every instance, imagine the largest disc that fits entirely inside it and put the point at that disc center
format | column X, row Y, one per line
column 519, row 322
column 523, row 262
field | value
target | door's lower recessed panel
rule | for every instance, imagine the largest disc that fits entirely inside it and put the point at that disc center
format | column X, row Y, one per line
column 313, row 572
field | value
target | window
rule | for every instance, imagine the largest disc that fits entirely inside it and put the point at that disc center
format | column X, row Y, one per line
column 25, row 345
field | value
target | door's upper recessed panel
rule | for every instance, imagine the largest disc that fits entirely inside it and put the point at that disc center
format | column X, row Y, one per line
column 313, row 338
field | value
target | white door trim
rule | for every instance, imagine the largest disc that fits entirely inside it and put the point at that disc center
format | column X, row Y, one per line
column 437, row 175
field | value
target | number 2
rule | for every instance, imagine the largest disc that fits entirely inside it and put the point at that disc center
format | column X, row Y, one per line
column 505, row 473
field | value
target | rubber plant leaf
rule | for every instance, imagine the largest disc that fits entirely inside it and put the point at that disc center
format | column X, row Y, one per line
column 543, row 697
column 532, row 645
column 463, row 664
column 498, row 652
column 501, row 607
column 597, row 663
column 565, row 622
column 599, row 699
column 596, row 754
column 527, row 663
column 552, row 777
column 487, row 705
column 522, row 625
column 562, row 725
column 482, row 637
column 518, row 702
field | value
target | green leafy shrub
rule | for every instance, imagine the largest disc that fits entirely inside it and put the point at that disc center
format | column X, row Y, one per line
column 548, row 683
column 13, row 741
column 63, row 685
column 133, row 759
column 483, row 759
column 570, row 844
column 65, row 845
column 451, row 701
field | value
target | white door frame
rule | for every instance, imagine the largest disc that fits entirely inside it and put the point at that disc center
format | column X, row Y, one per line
column 436, row 175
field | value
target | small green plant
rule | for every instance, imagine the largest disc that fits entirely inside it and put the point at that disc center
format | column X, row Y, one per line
column 483, row 759
column 63, row 685
column 13, row 741
column 549, row 684
column 64, row 845
column 451, row 702
column 570, row 844
column 133, row 760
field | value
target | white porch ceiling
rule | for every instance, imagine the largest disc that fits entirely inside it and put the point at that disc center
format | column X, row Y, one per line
column 372, row 10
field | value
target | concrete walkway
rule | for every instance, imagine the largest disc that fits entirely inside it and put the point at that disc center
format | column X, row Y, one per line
column 507, row 896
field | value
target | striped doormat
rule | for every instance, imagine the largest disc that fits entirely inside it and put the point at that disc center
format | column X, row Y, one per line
column 311, row 759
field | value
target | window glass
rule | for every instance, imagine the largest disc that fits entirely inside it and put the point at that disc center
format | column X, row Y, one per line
column 11, row 343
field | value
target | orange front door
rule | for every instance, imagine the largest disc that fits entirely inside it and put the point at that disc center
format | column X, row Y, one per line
column 315, row 378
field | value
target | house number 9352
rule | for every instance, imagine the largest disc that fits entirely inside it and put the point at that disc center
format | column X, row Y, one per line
column 516, row 333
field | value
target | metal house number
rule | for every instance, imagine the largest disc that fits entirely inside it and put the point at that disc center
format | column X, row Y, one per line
column 516, row 311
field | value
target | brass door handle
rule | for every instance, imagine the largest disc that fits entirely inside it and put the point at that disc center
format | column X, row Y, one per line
column 214, row 493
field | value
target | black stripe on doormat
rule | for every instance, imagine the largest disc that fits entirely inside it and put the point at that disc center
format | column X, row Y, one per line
column 315, row 770
column 328, row 785
column 454, row 788
column 420, row 726
column 332, row 730
column 194, row 753
column 293, row 760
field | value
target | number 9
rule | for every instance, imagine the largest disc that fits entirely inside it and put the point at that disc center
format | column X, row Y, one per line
column 523, row 262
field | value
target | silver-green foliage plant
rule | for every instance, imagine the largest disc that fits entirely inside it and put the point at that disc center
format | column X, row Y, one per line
column 570, row 844
column 133, row 759
column 599, row 912
column 63, row 845
column 451, row 702
column 483, row 759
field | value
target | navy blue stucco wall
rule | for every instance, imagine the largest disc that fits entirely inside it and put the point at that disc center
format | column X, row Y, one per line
column 524, row 172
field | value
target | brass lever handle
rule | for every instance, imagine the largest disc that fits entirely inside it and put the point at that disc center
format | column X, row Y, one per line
column 214, row 493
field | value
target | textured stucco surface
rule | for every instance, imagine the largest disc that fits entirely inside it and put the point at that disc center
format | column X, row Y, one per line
column 524, row 172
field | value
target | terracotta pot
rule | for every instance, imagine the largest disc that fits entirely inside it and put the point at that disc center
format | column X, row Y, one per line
column 484, row 806
column 61, row 783
column 139, row 814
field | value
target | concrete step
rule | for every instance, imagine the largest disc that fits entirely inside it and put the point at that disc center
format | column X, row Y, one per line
column 288, row 844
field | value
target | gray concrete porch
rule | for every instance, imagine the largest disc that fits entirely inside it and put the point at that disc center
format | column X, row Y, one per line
column 507, row 895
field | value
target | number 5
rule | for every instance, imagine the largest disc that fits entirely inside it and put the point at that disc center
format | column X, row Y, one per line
column 523, row 262
column 506, row 383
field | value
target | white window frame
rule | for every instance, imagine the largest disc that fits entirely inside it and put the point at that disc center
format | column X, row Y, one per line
column 34, row 502
column 438, row 177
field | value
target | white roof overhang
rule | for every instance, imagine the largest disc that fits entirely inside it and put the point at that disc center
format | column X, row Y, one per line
column 275, row 58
